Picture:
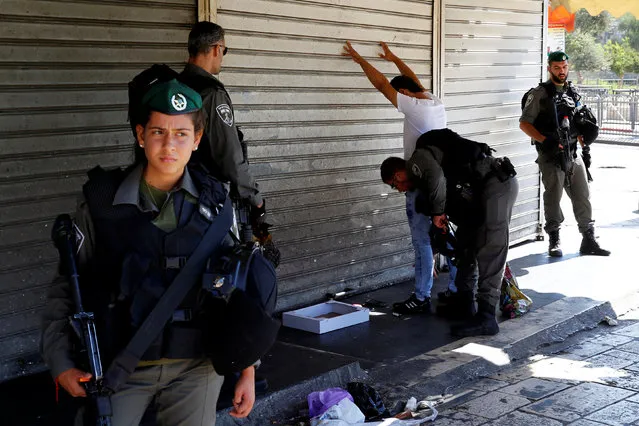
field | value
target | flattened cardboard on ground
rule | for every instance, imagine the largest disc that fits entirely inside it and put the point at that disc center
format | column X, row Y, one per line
column 325, row 317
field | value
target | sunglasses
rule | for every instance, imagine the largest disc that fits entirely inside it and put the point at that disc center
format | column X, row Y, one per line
column 225, row 50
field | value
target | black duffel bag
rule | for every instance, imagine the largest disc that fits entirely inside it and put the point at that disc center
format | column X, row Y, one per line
column 239, row 295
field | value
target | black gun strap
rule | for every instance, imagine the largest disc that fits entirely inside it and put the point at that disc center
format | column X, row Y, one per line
column 127, row 360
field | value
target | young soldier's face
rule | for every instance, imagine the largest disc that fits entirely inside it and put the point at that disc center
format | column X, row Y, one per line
column 558, row 71
column 168, row 141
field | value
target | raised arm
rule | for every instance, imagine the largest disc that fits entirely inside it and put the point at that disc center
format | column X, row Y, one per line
column 378, row 79
column 401, row 66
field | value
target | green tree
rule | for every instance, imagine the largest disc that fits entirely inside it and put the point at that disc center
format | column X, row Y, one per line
column 596, row 26
column 585, row 53
column 629, row 27
column 622, row 57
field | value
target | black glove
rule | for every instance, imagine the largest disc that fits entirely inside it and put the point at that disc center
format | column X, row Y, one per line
column 258, row 215
column 550, row 144
column 585, row 156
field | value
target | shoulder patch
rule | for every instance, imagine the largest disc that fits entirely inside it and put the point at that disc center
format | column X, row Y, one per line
column 78, row 237
column 529, row 99
column 225, row 113
column 416, row 170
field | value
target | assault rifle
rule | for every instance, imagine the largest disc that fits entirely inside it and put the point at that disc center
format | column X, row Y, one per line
column 564, row 136
column 82, row 322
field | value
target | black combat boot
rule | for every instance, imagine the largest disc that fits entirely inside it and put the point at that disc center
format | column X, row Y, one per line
column 458, row 306
column 590, row 246
column 554, row 244
column 483, row 323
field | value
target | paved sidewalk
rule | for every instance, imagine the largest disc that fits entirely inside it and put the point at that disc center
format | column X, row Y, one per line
column 588, row 380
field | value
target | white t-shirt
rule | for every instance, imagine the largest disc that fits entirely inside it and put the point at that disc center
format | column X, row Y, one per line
column 420, row 116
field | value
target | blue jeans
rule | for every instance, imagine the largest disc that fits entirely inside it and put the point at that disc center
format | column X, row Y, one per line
column 419, row 227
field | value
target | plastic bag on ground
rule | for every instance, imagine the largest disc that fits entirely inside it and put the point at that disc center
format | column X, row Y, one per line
column 424, row 412
column 319, row 402
column 513, row 302
column 345, row 413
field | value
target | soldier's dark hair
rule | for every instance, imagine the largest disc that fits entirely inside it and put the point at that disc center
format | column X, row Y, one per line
column 199, row 120
column 390, row 166
column 203, row 36
column 405, row 82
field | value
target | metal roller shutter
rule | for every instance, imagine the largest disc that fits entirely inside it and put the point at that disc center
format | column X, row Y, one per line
column 493, row 55
column 64, row 66
column 318, row 131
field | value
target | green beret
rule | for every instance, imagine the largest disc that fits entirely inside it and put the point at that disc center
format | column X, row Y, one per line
column 557, row 56
column 172, row 98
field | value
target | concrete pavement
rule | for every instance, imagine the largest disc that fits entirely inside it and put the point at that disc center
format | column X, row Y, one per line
column 590, row 380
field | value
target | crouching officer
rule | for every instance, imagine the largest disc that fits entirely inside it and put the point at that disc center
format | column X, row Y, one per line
column 459, row 179
column 551, row 116
column 135, row 232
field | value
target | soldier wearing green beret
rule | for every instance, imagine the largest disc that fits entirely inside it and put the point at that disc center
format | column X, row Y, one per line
column 133, row 227
column 548, row 117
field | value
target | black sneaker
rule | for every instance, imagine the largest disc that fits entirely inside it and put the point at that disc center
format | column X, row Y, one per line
column 412, row 305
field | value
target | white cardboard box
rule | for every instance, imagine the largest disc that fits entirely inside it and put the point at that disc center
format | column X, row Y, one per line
column 325, row 317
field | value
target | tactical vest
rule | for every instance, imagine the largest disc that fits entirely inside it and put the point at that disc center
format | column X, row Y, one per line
column 134, row 262
column 460, row 154
column 463, row 179
column 566, row 104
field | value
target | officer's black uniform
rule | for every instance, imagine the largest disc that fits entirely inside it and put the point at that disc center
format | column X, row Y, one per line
column 130, row 247
column 221, row 152
column 547, row 108
column 459, row 178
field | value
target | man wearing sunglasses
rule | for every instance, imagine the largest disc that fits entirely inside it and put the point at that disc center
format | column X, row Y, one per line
column 422, row 112
column 221, row 148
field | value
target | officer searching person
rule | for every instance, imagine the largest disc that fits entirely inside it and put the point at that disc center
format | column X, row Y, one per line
column 550, row 116
column 222, row 150
column 133, row 228
column 422, row 112
column 460, row 180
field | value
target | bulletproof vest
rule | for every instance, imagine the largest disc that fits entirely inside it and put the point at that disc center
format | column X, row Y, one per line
column 460, row 154
column 135, row 262
column 463, row 179
column 564, row 103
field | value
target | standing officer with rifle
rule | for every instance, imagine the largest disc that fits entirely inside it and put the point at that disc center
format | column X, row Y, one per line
column 551, row 117
column 143, row 238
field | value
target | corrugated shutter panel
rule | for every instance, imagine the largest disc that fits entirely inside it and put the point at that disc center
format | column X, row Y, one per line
column 64, row 66
column 318, row 132
column 493, row 55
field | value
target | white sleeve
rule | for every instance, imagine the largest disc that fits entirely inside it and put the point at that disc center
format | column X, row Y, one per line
column 404, row 104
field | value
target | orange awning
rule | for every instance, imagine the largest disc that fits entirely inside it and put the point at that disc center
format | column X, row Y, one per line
column 615, row 7
column 561, row 18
